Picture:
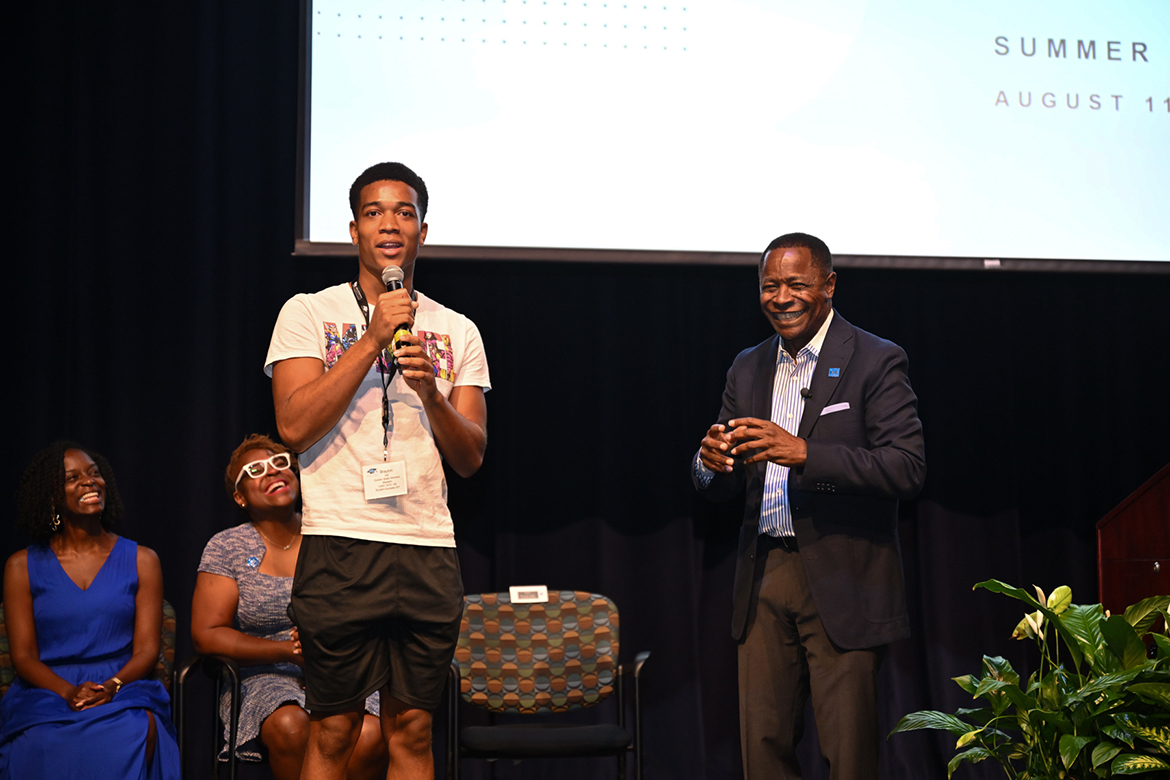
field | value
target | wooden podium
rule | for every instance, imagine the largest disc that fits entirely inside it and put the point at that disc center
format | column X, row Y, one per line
column 1133, row 546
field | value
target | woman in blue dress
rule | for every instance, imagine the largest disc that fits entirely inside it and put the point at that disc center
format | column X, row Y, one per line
column 240, row 610
column 83, row 610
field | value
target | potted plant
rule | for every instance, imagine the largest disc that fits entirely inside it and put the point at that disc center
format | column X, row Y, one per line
column 1098, row 705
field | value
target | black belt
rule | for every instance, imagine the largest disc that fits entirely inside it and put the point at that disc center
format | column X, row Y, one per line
column 783, row 542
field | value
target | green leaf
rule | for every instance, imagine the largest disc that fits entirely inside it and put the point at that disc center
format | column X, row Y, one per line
column 1026, row 628
column 1083, row 623
column 981, row 715
column 1159, row 736
column 1155, row 693
column 1104, row 752
column 1024, row 724
column 1012, row 692
column 974, row 755
column 1136, row 764
column 1070, row 748
column 1119, row 733
column 1165, row 622
column 995, row 586
column 967, row 738
column 1054, row 718
column 967, row 682
column 989, row 685
column 930, row 719
column 1123, row 641
column 1048, row 689
column 1116, row 681
column 1002, row 736
column 1143, row 614
column 1163, row 644
column 999, row 668
column 1060, row 599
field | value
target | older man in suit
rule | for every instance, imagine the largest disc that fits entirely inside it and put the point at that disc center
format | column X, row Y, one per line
column 820, row 426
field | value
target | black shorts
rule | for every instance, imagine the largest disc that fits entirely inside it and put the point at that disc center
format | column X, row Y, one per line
column 371, row 615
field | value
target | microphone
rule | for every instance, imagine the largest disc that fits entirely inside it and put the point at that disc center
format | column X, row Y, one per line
column 392, row 277
column 805, row 393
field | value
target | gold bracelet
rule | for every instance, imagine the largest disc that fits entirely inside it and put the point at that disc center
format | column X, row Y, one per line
column 117, row 686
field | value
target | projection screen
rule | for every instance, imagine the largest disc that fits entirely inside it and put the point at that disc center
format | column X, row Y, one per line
column 700, row 129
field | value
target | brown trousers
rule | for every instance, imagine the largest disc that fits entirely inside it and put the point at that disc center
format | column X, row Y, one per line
column 785, row 656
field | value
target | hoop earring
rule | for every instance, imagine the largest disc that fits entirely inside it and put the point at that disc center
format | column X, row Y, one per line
column 55, row 523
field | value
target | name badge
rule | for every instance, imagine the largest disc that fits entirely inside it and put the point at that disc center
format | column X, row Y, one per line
column 384, row 480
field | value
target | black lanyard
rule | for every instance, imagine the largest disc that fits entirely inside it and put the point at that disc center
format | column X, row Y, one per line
column 388, row 361
column 360, row 296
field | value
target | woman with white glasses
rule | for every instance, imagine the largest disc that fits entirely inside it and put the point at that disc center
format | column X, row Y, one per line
column 239, row 611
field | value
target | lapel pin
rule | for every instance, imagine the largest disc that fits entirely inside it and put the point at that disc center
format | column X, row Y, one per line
column 834, row 372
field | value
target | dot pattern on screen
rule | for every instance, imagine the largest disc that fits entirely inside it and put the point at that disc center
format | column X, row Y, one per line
column 570, row 24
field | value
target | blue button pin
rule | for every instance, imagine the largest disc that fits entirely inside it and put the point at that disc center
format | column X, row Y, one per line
column 253, row 562
column 834, row 372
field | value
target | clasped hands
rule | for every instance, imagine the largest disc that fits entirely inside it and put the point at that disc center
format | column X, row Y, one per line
column 395, row 310
column 295, row 646
column 758, row 440
column 89, row 694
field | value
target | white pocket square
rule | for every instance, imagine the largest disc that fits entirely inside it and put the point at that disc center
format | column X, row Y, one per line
column 835, row 408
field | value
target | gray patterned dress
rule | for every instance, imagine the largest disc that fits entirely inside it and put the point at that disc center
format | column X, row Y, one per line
column 237, row 553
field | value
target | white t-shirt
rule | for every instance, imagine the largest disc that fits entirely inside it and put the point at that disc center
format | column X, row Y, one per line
column 323, row 325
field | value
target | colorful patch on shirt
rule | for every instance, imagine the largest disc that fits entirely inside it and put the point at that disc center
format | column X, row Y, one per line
column 438, row 348
column 253, row 562
column 338, row 340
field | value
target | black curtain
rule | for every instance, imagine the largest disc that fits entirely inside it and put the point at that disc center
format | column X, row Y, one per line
column 150, row 229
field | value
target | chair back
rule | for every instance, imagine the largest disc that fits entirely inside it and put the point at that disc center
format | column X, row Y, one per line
column 7, row 671
column 546, row 657
column 162, row 671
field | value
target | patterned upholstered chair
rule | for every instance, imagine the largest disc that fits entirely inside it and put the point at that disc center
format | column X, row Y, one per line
column 7, row 672
column 542, row 659
column 162, row 671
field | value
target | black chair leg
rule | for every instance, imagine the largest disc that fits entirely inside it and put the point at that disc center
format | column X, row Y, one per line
column 234, row 730
column 177, row 710
column 453, row 724
column 214, row 667
column 215, row 725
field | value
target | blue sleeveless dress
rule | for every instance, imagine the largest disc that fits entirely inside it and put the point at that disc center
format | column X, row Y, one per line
column 85, row 635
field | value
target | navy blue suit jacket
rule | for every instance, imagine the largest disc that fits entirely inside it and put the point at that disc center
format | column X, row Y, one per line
column 861, row 460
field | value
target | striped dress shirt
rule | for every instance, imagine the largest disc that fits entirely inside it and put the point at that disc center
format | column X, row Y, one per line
column 787, row 409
